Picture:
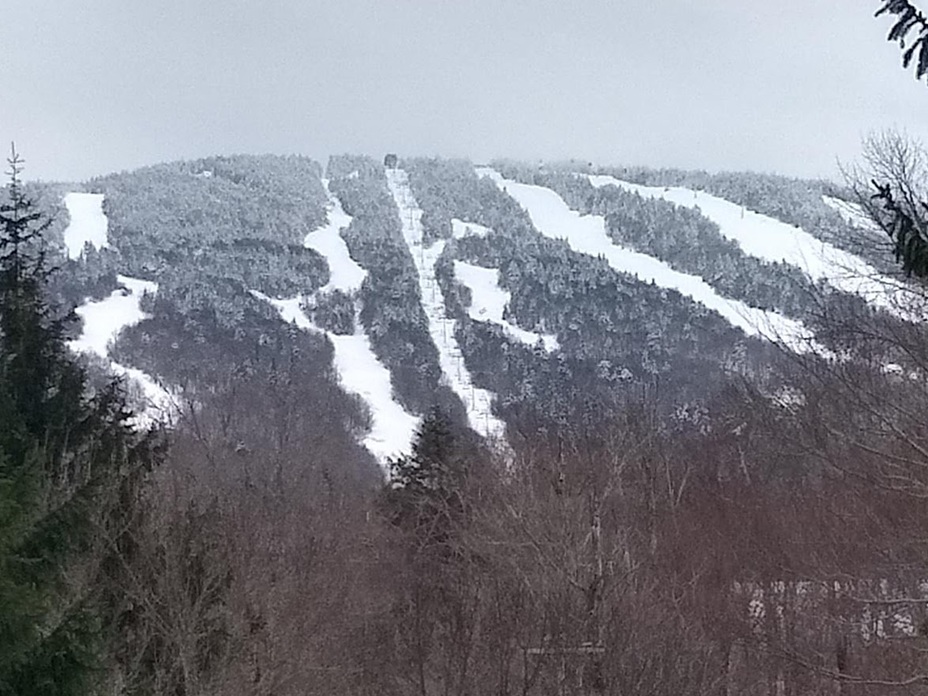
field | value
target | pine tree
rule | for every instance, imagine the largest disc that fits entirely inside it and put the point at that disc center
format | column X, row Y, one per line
column 68, row 465
column 424, row 493
column 908, row 18
column 904, row 219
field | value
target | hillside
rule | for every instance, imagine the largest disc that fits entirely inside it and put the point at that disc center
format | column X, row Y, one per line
column 334, row 307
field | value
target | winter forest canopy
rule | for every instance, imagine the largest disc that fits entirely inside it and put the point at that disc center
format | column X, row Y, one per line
column 424, row 426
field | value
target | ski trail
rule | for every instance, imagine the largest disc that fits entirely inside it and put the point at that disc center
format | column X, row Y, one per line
column 360, row 372
column 103, row 322
column 488, row 303
column 477, row 401
column 88, row 223
column 771, row 240
column 851, row 213
column 587, row 234
column 344, row 272
column 461, row 229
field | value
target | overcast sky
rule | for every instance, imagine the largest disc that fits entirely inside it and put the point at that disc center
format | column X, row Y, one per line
column 92, row 86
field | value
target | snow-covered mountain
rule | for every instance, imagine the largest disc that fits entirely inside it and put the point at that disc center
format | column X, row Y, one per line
column 513, row 297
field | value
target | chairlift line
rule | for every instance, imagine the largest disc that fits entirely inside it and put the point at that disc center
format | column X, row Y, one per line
column 454, row 371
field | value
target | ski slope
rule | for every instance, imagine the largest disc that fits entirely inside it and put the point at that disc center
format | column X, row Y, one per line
column 772, row 240
column 851, row 213
column 361, row 373
column 477, row 401
column 461, row 229
column 359, row 370
column 103, row 322
column 587, row 234
column 488, row 303
column 344, row 272
column 88, row 223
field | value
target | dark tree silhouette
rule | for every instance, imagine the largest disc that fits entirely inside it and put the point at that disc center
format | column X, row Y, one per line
column 69, row 465
column 908, row 18
column 900, row 216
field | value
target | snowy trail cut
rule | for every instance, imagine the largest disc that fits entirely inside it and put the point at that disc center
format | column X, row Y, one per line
column 359, row 370
column 105, row 319
column 88, row 223
column 851, row 213
column 441, row 327
column 587, row 234
column 103, row 322
column 488, row 303
column 772, row 240
column 461, row 229
column 344, row 272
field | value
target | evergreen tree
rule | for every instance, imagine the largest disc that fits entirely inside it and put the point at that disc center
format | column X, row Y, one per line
column 424, row 496
column 908, row 18
column 904, row 219
column 68, row 464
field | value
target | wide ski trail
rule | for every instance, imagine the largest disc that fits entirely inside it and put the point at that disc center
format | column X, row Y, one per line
column 587, row 234
column 88, row 223
column 771, row 240
column 103, row 321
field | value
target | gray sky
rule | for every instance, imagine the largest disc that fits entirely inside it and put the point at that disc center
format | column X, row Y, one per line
column 91, row 86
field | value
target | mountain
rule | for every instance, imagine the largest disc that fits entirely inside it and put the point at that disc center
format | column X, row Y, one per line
column 329, row 309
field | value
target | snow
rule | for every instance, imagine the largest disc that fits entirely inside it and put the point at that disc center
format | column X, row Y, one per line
column 851, row 213
column 441, row 327
column 361, row 373
column 359, row 370
column 345, row 274
column 461, row 229
column 88, row 223
column 488, row 303
column 103, row 322
column 587, row 234
column 105, row 319
column 772, row 240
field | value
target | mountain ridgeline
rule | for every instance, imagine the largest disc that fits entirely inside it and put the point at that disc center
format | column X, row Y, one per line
column 328, row 309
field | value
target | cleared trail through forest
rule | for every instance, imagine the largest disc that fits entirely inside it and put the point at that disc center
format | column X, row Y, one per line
column 359, row 370
column 477, row 401
column 103, row 320
column 772, row 240
column 587, row 234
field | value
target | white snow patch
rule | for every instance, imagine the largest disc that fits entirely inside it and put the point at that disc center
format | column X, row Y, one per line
column 587, row 234
column 851, row 213
column 88, row 223
column 441, row 327
column 461, row 229
column 772, row 240
column 344, row 272
column 360, row 372
column 104, row 320
column 489, row 300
